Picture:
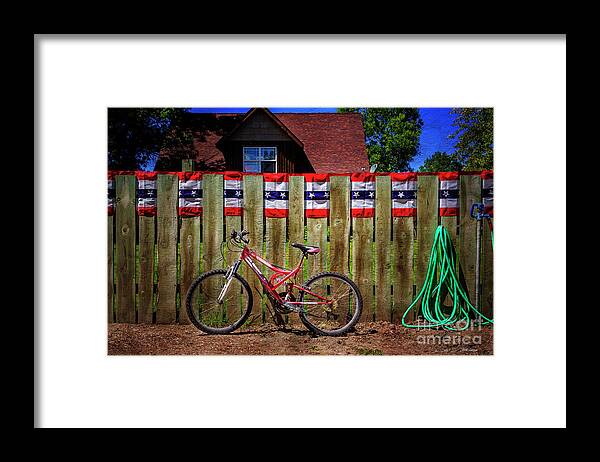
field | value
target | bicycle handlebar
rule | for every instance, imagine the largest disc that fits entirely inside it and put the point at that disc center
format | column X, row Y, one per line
column 239, row 236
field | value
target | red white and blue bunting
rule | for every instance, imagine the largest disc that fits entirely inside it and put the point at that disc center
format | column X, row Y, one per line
column 146, row 193
column 316, row 195
column 190, row 194
column 111, row 193
column 448, row 194
column 487, row 191
column 233, row 193
column 404, row 194
column 362, row 194
column 276, row 194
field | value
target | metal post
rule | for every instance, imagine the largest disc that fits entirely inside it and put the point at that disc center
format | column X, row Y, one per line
column 477, row 263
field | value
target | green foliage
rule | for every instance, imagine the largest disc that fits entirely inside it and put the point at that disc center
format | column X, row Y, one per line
column 474, row 137
column 441, row 162
column 391, row 135
column 136, row 135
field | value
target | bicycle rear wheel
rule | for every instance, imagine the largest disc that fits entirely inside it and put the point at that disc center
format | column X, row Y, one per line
column 204, row 309
column 341, row 312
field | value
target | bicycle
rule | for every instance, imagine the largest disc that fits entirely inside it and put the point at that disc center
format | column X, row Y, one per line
column 220, row 301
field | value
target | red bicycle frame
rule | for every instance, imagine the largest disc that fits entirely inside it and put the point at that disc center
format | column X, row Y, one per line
column 279, row 277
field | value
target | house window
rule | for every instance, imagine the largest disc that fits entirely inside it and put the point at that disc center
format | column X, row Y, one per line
column 259, row 159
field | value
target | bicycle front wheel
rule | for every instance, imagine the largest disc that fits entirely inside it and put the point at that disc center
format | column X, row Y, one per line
column 333, row 304
column 214, row 316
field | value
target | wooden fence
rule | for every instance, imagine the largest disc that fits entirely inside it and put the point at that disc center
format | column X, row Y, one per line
column 152, row 260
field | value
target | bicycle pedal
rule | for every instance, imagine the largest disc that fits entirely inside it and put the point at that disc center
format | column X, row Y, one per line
column 296, row 308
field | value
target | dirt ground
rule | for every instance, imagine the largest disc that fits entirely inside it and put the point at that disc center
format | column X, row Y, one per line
column 378, row 338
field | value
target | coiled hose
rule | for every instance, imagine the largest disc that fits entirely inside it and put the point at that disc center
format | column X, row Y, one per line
column 442, row 261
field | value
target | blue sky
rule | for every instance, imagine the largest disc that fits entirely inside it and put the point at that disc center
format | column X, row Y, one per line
column 437, row 125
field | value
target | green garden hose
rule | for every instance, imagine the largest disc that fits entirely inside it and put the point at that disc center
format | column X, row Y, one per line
column 442, row 262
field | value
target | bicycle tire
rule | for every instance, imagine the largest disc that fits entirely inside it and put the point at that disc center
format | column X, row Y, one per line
column 355, row 316
column 217, row 330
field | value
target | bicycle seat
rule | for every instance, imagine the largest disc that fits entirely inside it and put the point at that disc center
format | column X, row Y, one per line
column 310, row 249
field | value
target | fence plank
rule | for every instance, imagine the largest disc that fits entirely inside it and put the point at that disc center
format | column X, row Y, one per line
column 402, row 267
column 487, row 272
column 111, row 283
column 316, row 234
column 212, row 228
column 275, row 240
column 470, row 192
column 146, row 274
column 232, row 223
column 383, row 235
column 295, row 219
column 451, row 225
column 427, row 221
column 362, row 260
column 253, row 223
column 189, row 248
column 125, row 237
column 339, row 224
column 166, row 226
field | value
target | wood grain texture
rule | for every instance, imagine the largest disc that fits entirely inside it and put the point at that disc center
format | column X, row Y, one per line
column 295, row 219
column 339, row 223
column 362, row 263
column 427, row 222
column 253, row 223
column 383, row 245
column 470, row 192
column 166, row 229
column 212, row 229
column 189, row 248
column 450, row 223
column 275, row 229
column 110, row 247
column 125, row 247
column 146, row 269
column 316, row 234
column 402, row 267
column 234, row 309
column 487, row 272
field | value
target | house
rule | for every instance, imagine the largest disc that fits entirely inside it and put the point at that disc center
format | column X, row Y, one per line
column 261, row 141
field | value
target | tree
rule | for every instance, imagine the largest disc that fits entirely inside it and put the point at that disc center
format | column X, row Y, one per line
column 474, row 137
column 391, row 135
column 441, row 162
column 136, row 135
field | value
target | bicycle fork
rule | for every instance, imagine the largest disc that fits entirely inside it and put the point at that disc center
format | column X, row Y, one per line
column 228, row 276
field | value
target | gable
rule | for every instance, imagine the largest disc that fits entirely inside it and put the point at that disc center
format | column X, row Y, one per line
column 259, row 126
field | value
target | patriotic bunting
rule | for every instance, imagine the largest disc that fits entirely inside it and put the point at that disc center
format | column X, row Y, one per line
column 190, row 194
column 316, row 195
column 276, row 194
column 487, row 191
column 363, row 194
column 404, row 194
column 111, row 193
column 233, row 193
column 448, row 194
column 146, row 193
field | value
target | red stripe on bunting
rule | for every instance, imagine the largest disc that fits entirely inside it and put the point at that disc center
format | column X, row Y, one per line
column 274, row 212
column 404, row 212
column 188, row 212
column 404, row 176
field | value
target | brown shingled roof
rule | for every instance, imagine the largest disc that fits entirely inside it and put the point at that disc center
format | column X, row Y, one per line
column 333, row 142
